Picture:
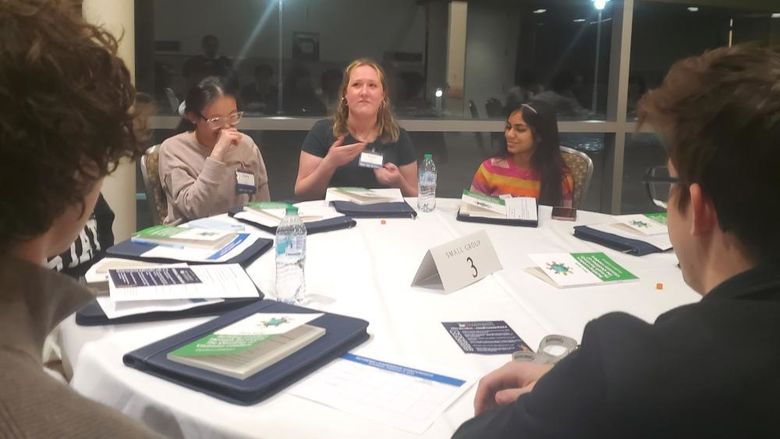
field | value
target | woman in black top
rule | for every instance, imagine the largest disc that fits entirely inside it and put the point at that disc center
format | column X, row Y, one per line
column 362, row 130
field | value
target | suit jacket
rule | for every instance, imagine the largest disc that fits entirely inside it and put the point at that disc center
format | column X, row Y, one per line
column 709, row 369
column 33, row 301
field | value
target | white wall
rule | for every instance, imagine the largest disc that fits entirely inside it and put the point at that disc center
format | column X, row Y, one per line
column 491, row 52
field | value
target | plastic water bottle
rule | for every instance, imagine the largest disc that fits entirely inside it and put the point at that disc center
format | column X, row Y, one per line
column 290, row 257
column 426, row 196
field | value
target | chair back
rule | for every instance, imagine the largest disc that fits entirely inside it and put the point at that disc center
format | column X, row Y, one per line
column 155, row 195
column 581, row 167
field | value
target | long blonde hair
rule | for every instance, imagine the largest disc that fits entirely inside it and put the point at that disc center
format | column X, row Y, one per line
column 385, row 121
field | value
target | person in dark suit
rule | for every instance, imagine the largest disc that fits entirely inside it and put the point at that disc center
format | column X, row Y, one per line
column 708, row 369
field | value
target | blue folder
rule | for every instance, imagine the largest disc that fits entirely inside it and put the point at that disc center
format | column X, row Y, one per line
column 312, row 227
column 92, row 315
column 399, row 209
column 133, row 250
column 342, row 333
column 634, row 247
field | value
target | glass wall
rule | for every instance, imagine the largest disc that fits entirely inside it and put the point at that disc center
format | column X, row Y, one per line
column 482, row 57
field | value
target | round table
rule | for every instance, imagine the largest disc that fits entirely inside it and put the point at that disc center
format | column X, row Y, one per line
column 366, row 272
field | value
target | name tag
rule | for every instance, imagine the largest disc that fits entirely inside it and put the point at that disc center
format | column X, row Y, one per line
column 371, row 160
column 245, row 183
column 458, row 263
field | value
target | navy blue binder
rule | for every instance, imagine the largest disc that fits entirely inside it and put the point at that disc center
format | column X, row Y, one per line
column 342, row 334
column 312, row 227
column 92, row 315
column 399, row 209
column 626, row 245
column 133, row 250
column 499, row 221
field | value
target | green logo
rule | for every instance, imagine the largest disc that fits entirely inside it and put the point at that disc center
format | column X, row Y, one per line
column 559, row 268
column 274, row 322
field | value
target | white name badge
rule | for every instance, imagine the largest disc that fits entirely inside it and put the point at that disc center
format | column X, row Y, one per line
column 371, row 160
column 245, row 183
column 458, row 263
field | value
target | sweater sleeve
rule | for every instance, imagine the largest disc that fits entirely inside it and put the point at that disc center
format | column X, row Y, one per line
column 187, row 192
column 263, row 189
column 480, row 181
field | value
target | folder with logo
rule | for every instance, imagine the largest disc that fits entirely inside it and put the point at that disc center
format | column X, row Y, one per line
column 341, row 334
column 319, row 226
column 400, row 209
column 632, row 246
column 243, row 250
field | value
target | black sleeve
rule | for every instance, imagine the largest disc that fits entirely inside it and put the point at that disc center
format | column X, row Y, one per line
column 406, row 152
column 569, row 401
column 319, row 138
column 105, row 221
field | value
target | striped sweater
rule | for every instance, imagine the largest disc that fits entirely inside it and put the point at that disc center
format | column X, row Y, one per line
column 499, row 176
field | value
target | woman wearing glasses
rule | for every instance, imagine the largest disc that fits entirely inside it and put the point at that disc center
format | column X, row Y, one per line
column 531, row 164
column 210, row 167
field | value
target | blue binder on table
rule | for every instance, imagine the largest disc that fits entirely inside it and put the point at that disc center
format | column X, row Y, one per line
column 399, row 209
column 342, row 333
column 500, row 221
column 92, row 315
column 312, row 227
column 634, row 247
column 134, row 250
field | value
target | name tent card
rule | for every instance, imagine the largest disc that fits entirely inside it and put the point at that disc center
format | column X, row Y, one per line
column 458, row 263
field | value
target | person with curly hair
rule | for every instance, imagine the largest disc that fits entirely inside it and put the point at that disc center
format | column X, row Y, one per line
column 364, row 121
column 66, row 119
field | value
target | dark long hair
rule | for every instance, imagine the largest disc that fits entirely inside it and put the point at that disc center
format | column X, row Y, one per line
column 546, row 158
column 200, row 95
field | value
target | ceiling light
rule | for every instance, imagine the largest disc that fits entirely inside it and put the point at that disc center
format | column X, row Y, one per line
column 599, row 4
column 693, row 9
column 578, row 20
column 776, row 15
column 540, row 11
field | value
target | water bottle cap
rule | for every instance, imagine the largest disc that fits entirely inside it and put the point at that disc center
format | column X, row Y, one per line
column 428, row 156
column 291, row 210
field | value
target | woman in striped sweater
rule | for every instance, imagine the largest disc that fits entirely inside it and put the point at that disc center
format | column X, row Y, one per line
column 531, row 164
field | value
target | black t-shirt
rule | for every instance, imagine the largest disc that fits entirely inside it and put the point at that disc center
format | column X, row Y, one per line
column 320, row 138
column 91, row 244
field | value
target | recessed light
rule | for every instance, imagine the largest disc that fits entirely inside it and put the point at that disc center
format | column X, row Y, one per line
column 776, row 15
column 540, row 11
column 693, row 9
column 578, row 20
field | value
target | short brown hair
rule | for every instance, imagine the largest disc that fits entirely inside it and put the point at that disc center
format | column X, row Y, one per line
column 66, row 113
column 385, row 121
column 719, row 116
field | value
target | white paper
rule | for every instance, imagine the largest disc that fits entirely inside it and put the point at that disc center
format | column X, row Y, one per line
column 98, row 273
column 267, row 324
column 272, row 217
column 661, row 241
column 215, row 281
column 114, row 309
column 642, row 224
column 563, row 269
column 364, row 196
column 216, row 224
column 521, row 208
column 240, row 243
column 406, row 398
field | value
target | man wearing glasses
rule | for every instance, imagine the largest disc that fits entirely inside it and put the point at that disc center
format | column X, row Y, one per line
column 708, row 369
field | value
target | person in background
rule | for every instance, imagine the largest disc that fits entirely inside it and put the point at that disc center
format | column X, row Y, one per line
column 364, row 121
column 702, row 370
column 262, row 95
column 210, row 167
column 209, row 64
column 530, row 164
column 66, row 120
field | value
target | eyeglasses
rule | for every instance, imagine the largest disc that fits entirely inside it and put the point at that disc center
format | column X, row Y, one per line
column 659, row 183
column 231, row 119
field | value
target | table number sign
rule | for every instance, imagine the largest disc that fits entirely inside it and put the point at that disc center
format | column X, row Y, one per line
column 458, row 263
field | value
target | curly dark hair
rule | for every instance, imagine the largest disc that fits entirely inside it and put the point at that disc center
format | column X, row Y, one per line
column 66, row 115
column 719, row 116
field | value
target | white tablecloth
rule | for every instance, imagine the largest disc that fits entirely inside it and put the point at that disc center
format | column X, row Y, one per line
column 366, row 272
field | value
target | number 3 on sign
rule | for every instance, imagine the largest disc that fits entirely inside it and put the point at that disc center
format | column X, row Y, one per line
column 471, row 262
